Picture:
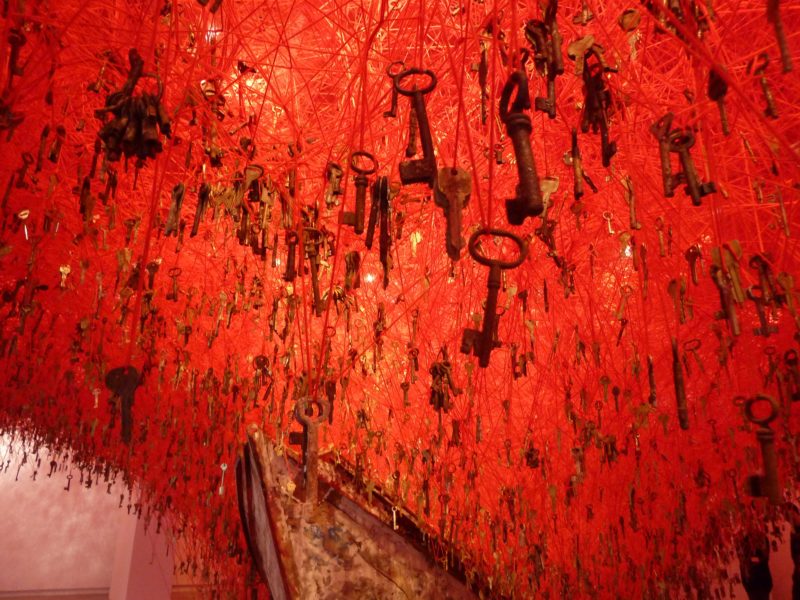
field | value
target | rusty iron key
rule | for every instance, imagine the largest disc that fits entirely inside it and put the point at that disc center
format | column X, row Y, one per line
column 123, row 382
column 661, row 130
column 774, row 17
column 356, row 219
column 756, row 294
column 304, row 413
column 393, row 69
column 680, row 141
column 171, row 227
column 680, row 387
column 767, row 484
column 482, row 342
column 421, row 170
column 203, row 198
column 528, row 202
column 717, row 90
column 452, row 193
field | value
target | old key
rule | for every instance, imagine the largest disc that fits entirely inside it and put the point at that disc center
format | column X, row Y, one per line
column 392, row 70
column 717, row 90
column 661, row 129
column 680, row 141
column 680, row 387
column 303, row 412
column 123, row 382
column 356, row 219
column 452, row 192
column 774, row 17
column 481, row 343
column 756, row 294
column 528, row 202
column 421, row 170
column 767, row 484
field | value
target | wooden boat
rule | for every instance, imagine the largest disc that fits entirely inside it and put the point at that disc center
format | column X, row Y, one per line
column 315, row 537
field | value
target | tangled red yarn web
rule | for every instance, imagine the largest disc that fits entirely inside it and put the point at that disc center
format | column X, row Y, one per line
column 555, row 470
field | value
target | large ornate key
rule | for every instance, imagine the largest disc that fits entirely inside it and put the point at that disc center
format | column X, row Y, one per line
column 453, row 188
column 481, row 343
column 303, row 412
column 766, row 484
column 123, row 382
column 528, row 202
column 421, row 170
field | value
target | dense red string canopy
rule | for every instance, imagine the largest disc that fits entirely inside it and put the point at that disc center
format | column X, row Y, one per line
column 570, row 478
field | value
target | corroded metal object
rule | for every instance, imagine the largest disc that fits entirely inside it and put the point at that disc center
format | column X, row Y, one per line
column 342, row 547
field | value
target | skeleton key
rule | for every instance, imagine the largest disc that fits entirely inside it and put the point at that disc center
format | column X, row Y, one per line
column 717, row 89
column 784, row 218
column 766, row 279
column 756, row 294
column 420, row 170
column 692, row 346
column 774, row 17
column 292, row 240
column 661, row 130
column 680, row 140
column 203, row 198
column 680, row 388
column 374, row 210
column 726, row 299
column 761, row 72
column 481, row 343
column 356, row 219
column 312, row 242
column 123, row 382
column 452, row 193
column 630, row 198
column 767, row 484
column 625, row 292
column 692, row 256
column 385, row 238
column 528, row 201
column 303, row 413
column 392, row 70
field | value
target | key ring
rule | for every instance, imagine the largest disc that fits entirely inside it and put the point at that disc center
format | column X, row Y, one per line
column 367, row 156
column 692, row 345
column 748, row 409
column 491, row 262
column 391, row 72
column 681, row 139
column 407, row 73
column 309, row 420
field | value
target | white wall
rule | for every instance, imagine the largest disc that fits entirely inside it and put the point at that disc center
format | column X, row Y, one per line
column 53, row 539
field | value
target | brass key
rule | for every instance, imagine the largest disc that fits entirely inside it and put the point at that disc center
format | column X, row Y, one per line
column 452, row 193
